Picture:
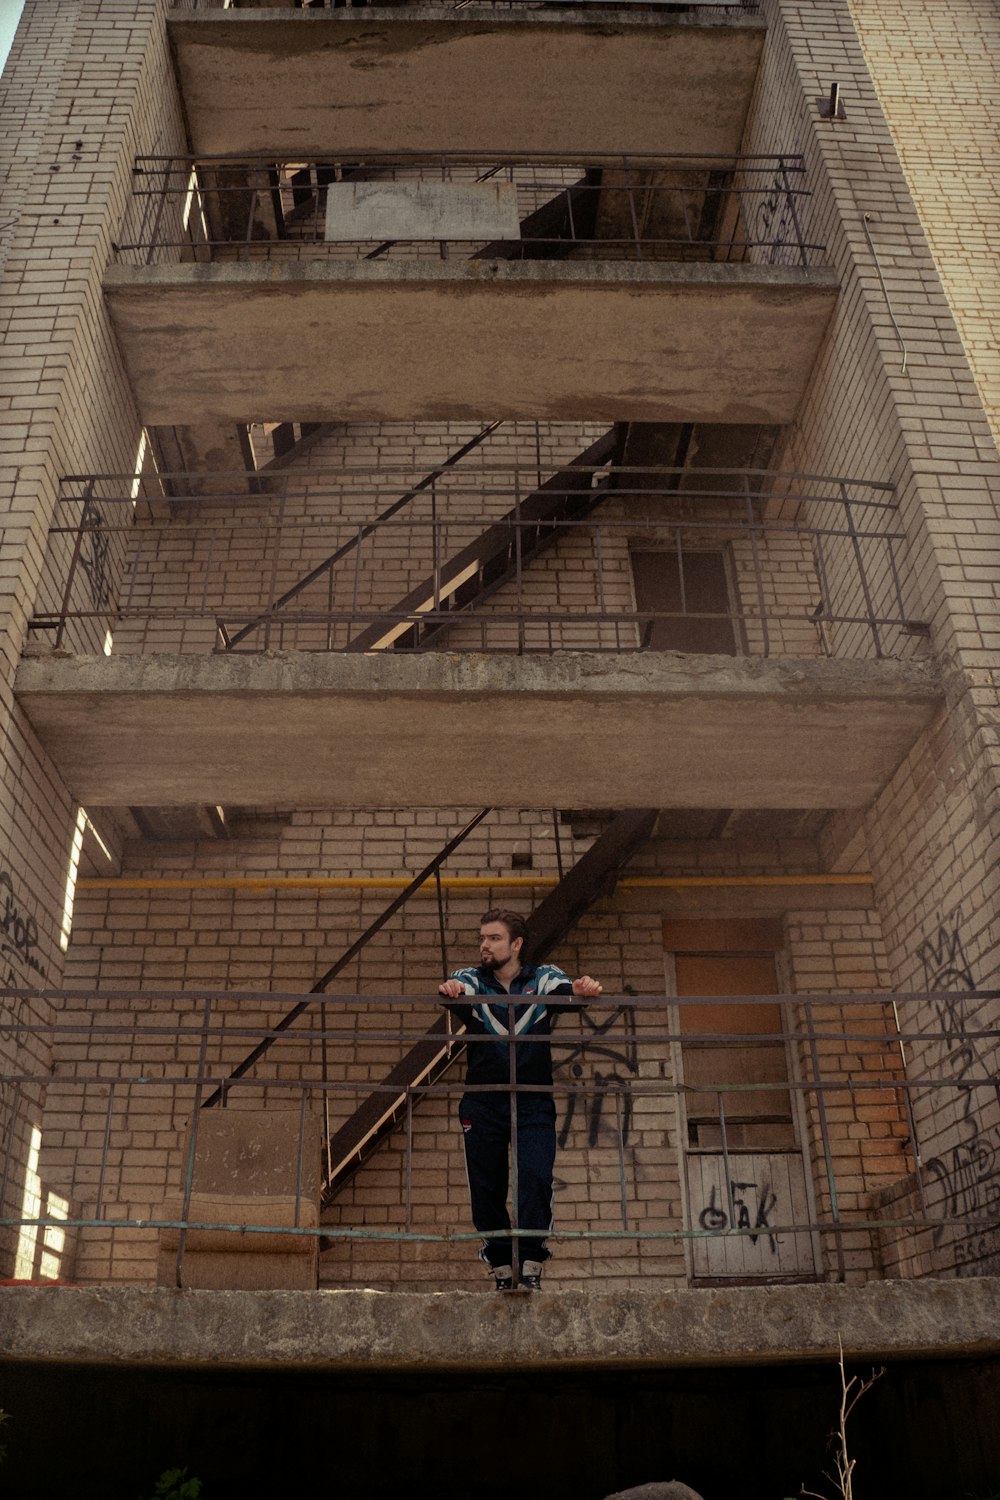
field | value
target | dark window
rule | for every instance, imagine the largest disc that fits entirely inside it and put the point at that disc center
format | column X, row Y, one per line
column 687, row 593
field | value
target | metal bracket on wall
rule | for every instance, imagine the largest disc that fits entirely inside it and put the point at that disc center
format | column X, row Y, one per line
column 832, row 107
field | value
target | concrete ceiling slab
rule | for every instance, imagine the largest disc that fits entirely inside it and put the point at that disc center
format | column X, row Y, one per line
column 438, row 730
column 319, row 81
column 321, row 339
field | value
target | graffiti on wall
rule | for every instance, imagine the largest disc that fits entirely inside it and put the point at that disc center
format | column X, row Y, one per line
column 967, row 1175
column 18, row 935
column 606, row 1106
column 95, row 562
column 20, row 962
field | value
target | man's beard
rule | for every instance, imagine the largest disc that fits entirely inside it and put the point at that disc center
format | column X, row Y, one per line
column 492, row 964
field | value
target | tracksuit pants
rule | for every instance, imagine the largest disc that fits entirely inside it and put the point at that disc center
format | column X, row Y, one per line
column 486, row 1126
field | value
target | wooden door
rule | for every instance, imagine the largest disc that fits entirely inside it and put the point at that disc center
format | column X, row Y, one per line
column 737, row 1108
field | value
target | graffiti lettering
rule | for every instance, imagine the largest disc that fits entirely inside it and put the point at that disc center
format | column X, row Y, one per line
column 600, row 1111
column 970, row 1255
column 95, row 566
column 968, row 1176
column 715, row 1219
column 943, row 958
column 774, row 222
column 18, row 931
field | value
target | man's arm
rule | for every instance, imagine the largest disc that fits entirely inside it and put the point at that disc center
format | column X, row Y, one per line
column 588, row 987
column 458, row 987
column 452, row 989
column 553, row 981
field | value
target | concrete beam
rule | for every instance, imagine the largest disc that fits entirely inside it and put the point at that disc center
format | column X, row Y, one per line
column 211, row 453
column 378, row 730
column 413, row 1331
column 428, row 341
column 599, row 79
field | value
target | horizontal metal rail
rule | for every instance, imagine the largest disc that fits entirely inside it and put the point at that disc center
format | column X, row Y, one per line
column 606, row 206
column 131, row 1058
column 805, row 565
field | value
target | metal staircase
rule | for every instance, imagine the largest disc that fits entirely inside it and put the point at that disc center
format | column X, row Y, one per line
column 218, row 1096
column 594, row 876
column 496, row 556
column 230, row 641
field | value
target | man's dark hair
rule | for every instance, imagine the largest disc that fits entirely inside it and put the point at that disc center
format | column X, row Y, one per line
column 515, row 924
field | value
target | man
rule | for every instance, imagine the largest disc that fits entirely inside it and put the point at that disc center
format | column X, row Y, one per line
column 487, row 1116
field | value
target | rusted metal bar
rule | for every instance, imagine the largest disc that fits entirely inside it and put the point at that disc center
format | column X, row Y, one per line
column 620, row 1133
column 852, row 532
column 824, row 1127
column 515, row 1173
column 73, row 563
column 192, row 1149
column 352, row 952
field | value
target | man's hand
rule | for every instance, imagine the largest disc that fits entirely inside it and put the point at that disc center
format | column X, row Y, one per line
column 452, row 989
column 587, row 986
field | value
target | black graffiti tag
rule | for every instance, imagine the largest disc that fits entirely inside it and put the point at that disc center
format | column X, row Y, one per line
column 715, row 1219
column 96, row 567
column 607, row 1085
column 18, row 931
column 968, row 1175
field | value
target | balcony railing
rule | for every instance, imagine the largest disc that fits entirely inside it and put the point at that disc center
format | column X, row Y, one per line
column 737, row 562
column 800, row 1143
column 364, row 206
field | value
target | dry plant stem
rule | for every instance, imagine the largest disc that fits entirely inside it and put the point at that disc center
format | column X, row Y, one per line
column 842, row 1481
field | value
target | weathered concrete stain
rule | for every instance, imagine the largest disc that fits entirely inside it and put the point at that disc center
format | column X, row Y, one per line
column 611, row 81
column 400, row 341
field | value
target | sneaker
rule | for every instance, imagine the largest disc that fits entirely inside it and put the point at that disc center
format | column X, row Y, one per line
column 504, row 1278
column 531, row 1275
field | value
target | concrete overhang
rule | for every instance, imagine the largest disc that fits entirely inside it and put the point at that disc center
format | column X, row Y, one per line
column 319, row 80
column 413, row 1331
column 410, row 340
column 437, row 730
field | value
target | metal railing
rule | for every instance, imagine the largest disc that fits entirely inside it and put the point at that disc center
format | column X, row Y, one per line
column 122, row 1104
column 634, row 207
column 807, row 565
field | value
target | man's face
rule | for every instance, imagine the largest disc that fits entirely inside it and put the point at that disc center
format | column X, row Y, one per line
column 495, row 946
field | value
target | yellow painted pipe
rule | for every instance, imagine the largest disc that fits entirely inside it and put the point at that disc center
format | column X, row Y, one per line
column 450, row 882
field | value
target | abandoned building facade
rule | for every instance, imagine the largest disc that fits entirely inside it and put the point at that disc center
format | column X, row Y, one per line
column 500, row 455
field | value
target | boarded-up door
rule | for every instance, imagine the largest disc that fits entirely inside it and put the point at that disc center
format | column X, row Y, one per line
column 737, row 1108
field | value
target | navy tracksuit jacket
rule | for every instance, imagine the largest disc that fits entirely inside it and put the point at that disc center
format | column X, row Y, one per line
column 486, row 1116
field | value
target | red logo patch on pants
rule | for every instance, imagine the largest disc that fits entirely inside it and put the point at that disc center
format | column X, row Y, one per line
column 466, row 1125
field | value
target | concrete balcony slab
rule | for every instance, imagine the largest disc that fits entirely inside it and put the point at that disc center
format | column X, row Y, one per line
column 305, row 340
column 438, row 730
column 362, row 1330
column 268, row 80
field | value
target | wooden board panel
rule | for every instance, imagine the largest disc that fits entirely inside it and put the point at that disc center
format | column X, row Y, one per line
column 728, row 935
column 766, row 1191
column 379, row 211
